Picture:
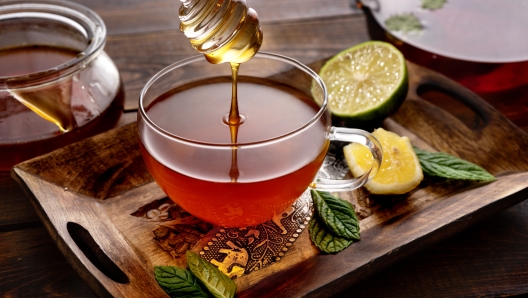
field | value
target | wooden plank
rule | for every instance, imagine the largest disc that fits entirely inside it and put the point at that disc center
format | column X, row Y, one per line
column 442, row 128
column 16, row 211
column 123, row 170
column 138, row 66
column 132, row 16
column 32, row 266
column 295, row 10
column 487, row 259
column 95, row 247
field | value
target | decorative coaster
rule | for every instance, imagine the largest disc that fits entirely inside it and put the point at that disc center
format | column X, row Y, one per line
column 238, row 251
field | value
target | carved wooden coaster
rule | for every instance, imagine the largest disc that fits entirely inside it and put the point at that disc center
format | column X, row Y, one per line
column 236, row 251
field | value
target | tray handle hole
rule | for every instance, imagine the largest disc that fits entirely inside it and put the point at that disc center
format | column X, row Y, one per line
column 95, row 254
column 453, row 104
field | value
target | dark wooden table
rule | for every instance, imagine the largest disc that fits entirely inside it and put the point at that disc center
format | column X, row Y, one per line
column 489, row 259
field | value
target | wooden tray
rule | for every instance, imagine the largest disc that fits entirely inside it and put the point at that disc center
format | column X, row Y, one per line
column 93, row 197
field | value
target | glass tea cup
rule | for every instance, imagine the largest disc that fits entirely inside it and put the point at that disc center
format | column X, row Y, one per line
column 279, row 149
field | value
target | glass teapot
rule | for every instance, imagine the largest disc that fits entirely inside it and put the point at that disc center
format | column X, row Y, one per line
column 57, row 85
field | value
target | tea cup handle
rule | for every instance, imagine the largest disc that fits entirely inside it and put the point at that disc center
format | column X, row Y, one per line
column 354, row 136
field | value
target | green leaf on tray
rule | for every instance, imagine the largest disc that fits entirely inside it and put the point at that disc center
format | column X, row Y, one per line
column 404, row 23
column 444, row 165
column 178, row 282
column 325, row 240
column 334, row 225
column 433, row 4
column 218, row 284
column 337, row 215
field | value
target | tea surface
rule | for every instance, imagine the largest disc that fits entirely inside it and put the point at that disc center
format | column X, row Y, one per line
column 27, row 60
column 196, row 113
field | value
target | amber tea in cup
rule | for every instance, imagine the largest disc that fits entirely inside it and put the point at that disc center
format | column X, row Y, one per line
column 280, row 144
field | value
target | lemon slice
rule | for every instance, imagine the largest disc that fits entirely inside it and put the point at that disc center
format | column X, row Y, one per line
column 400, row 170
column 365, row 83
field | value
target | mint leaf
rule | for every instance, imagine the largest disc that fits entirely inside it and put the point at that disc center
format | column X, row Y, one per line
column 218, row 284
column 433, row 4
column 178, row 282
column 444, row 165
column 404, row 23
column 325, row 240
column 336, row 214
column 335, row 225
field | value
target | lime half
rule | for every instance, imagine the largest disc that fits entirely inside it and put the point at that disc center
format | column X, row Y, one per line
column 366, row 83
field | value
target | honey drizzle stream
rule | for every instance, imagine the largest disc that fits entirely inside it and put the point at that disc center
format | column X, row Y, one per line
column 234, row 121
column 234, row 116
column 224, row 31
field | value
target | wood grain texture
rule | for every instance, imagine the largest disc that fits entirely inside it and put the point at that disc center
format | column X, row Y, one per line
column 99, row 167
column 133, row 57
column 16, row 210
column 392, row 228
column 134, row 16
column 484, row 260
column 495, row 146
column 32, row 266
column 59, row 212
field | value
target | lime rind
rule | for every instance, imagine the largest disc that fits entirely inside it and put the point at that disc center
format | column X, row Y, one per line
column 366, row 83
